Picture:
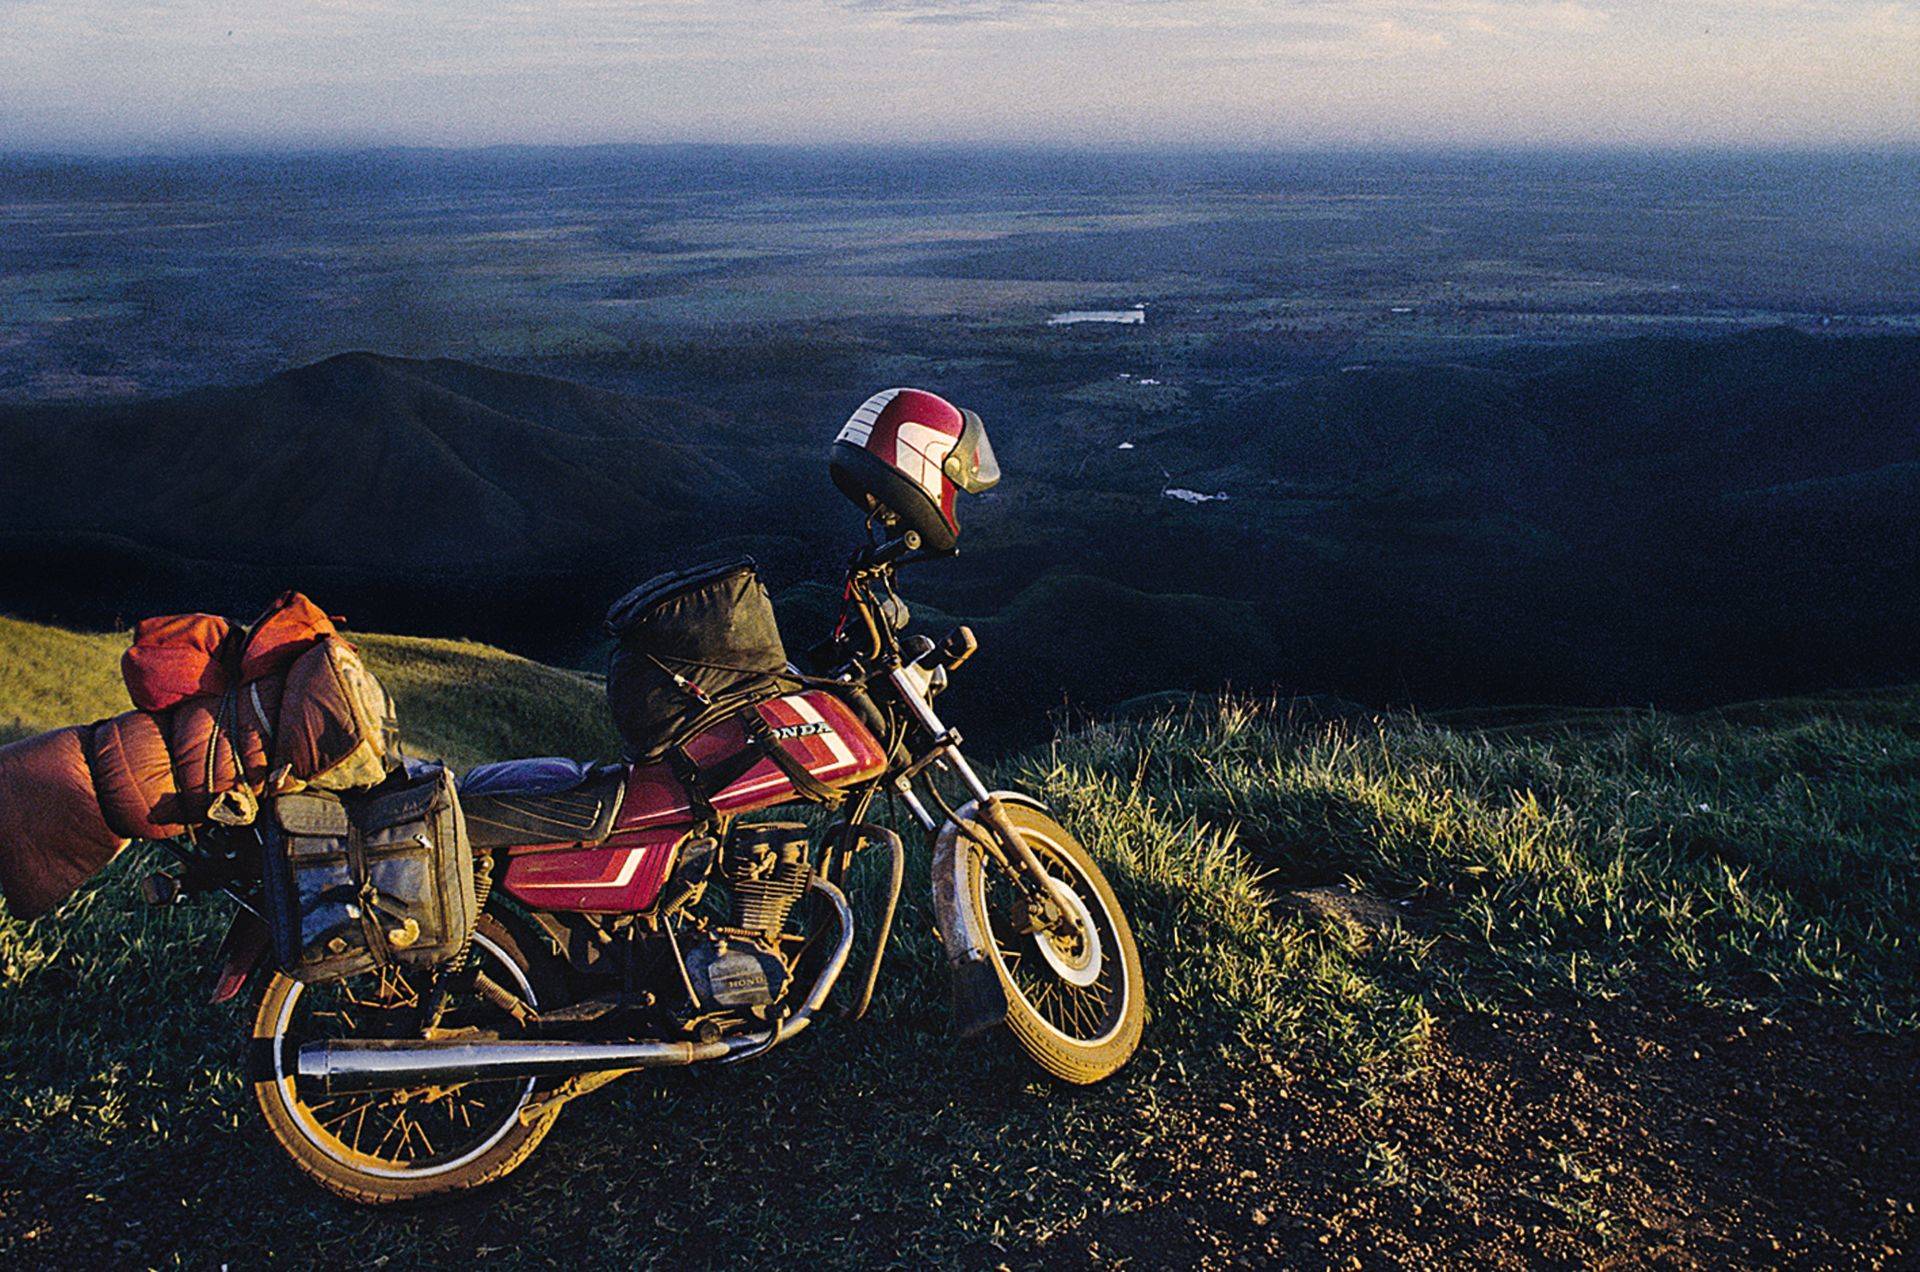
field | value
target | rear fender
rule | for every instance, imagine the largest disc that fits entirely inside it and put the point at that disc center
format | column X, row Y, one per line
column 979, row 1001
column 241, row 951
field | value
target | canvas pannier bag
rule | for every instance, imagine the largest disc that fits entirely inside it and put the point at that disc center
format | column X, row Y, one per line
column 695, row 646
column 373, row 879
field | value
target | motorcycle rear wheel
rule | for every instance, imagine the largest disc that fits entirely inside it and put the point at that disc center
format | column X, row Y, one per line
column 1076, row 1006
column 381, row 1148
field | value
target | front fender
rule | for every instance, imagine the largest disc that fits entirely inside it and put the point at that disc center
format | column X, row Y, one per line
column 979, row 1001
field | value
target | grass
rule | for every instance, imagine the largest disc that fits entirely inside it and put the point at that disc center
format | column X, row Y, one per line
column 1756, row 862
column 1748, row 864
column 459, row 701
column 51, row 677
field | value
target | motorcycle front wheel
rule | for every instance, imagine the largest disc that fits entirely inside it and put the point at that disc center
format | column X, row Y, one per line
column 1076, row 1000
column 405, row 1144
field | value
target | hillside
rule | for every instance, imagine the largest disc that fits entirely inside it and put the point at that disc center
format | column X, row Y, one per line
column 457, row 701
column 1576, row 988
column 1655, row 520
column 403, row 486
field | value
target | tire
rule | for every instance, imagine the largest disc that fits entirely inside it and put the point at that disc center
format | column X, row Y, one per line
column 344, row 1168
column 1093, row 1035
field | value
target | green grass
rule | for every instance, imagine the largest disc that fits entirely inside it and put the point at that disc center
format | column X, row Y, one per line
column 458, row 701
column 1753, row 858
column 50, row 677
column 1746, row 864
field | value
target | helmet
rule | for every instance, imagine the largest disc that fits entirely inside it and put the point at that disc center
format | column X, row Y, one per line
column 905, row 454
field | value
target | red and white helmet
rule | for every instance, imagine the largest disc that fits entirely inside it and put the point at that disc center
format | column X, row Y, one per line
column 906, row 454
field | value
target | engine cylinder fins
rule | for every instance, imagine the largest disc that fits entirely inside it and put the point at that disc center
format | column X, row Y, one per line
column 767, row 871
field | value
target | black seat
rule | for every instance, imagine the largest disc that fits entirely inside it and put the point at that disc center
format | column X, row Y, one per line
column 550, row 800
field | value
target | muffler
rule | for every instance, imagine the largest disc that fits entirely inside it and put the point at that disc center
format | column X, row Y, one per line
column 373, row 1064
column 376, row 1064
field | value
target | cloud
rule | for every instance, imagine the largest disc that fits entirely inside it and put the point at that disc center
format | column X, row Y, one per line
column 1565, row 17
column 1115, row 71
column 949, row 12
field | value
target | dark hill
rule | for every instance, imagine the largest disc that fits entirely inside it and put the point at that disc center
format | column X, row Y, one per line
column 387, row 477
column 1653, row 520
column 1569, row 431
column 375, row 462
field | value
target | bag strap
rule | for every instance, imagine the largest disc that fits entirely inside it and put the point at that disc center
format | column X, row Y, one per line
column 367, row 898
column 260, row 714
column 803, row 780
column 702, row 784
column 693, row 780
column 229, row 703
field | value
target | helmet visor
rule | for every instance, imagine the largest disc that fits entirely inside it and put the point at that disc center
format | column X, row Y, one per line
column 971, row 463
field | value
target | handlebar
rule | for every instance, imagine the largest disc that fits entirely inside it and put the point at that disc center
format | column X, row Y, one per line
column 880, row 556
column 875, row 617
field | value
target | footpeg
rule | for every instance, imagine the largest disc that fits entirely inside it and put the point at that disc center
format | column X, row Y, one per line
column 161, row 888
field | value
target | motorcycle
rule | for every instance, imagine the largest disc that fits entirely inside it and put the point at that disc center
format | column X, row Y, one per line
column 636, row 917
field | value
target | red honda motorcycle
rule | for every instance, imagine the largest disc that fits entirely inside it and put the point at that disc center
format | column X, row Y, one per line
column 656, row 914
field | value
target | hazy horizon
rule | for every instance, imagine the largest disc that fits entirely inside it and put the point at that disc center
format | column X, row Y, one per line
column 95, row 77
column 107, row 151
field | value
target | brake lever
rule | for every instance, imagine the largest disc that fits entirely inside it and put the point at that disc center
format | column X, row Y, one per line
column 957, row 646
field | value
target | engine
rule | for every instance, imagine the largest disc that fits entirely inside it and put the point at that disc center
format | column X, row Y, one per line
column 766, row 869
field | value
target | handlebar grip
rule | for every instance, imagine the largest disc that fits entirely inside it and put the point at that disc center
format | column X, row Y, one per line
column 890, row 551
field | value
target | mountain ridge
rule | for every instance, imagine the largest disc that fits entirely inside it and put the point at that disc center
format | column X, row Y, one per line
column 1680, row 521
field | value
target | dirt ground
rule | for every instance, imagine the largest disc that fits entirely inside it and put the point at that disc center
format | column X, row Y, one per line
column 1623, row 1136
column 1673, row 1138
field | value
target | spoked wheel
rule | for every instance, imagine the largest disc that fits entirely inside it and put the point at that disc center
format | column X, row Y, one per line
column 407, row 1143
column 1076, row 998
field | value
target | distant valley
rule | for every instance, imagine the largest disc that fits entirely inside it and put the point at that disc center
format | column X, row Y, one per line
column 1650, row 520
column 1435, row 429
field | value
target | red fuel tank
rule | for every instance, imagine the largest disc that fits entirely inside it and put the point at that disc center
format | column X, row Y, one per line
column 624, row 873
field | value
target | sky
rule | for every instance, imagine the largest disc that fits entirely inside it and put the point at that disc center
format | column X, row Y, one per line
column 125, row 75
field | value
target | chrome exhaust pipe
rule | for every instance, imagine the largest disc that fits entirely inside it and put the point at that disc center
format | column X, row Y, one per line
column 373, row 1064
column 378, row 1064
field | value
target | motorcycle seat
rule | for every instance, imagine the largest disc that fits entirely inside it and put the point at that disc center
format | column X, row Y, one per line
column 550, row 800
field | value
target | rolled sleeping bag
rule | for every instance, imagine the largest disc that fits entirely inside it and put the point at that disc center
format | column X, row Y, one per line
column 176, row 657
column 286, row 629
column 202, row 737
column 133, row 776
column 53, row 837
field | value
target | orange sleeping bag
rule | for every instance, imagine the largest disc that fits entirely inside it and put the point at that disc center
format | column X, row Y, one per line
column 287, row 629
column 53, row 837
column 133, row 776
column 176, row 657
column 281, row 705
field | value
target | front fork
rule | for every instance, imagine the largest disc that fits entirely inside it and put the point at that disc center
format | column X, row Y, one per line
column 1006, row 845
column 979, row 1000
